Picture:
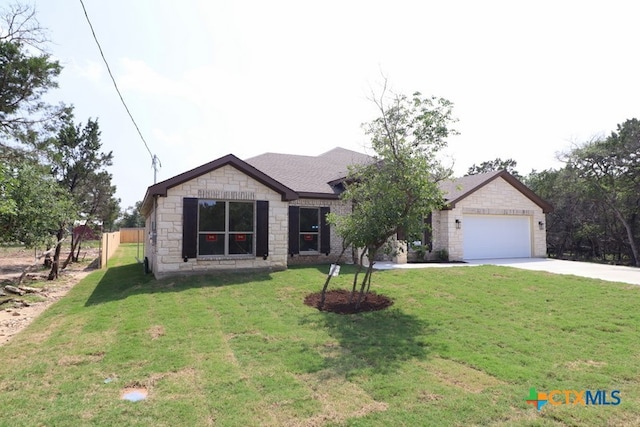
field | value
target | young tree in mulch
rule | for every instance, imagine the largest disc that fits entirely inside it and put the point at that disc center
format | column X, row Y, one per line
column 399, row 188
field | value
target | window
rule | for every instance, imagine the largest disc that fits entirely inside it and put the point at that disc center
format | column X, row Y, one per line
column 309, row 232
column 309, row 229
column 225, row 227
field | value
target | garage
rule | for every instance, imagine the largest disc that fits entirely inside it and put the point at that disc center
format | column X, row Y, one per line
column 496, row 236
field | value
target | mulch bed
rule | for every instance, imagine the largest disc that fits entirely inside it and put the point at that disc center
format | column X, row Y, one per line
column 337, row 301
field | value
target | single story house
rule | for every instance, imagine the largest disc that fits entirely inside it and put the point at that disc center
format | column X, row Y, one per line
column 268, row 212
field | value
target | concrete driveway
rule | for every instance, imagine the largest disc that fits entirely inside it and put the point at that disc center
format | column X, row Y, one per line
column 612, row 273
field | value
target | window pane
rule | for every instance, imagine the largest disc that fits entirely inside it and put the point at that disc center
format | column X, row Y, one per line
column 308, row 242
column 240, row 244
column 211, row 244
column 240, row 216
column 309, row 220
column 211, row 215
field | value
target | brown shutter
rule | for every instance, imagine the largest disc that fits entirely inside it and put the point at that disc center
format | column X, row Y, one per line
column 189, row 227
column 401, row 234
column 262, row 228
column 294, row 230
column 428, row 232
column 325, row 231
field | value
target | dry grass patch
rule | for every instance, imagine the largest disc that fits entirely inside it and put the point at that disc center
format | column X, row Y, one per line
column 584, row 364
column 80, row 359
column 426, row 396
column 518, row 417
column 156, row 332
column 450, row 372
column 340, row 400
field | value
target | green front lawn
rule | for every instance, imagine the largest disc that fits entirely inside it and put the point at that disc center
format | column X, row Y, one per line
column 460, row 346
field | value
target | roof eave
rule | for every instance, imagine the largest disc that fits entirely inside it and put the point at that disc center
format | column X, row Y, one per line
column 161, row 188
column 526, row 191
column 313, row 195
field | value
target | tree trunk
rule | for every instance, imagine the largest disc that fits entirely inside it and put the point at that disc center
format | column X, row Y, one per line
column 323, row 294
column 632, row 242
column 355, row 277
column 47, row 253
column 76, row 257
column 53, row 274
column 371, row 255
column 369, row 281
column 75, row 244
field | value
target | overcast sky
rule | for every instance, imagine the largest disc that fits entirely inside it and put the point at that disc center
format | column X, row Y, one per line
column 205, row 78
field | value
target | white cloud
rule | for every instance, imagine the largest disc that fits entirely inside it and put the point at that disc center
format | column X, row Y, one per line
column 91, row 70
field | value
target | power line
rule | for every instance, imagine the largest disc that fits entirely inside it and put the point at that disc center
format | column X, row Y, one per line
column 155, row 161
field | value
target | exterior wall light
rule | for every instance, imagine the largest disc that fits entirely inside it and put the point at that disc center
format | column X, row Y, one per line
column 541, row 225
column 458, row 224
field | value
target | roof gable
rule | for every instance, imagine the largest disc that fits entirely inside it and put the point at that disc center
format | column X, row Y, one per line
column 460, row 188
column 160, row 189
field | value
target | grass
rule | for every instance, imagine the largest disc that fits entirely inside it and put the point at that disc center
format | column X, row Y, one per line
column 460, row 346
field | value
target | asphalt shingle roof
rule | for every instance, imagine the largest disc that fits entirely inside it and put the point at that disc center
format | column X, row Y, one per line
column 454, row 188
column 309, row 174
column 312, row 176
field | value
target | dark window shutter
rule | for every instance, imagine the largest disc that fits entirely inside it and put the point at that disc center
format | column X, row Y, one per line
column 401, row 234
column 189, row 227
column 294, row 230
column 325, row 232
column 428, row 232
column 262, row 228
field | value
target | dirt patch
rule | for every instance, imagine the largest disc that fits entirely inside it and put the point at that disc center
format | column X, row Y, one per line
column 16, row 316
column 156, row 332
column 337, row 301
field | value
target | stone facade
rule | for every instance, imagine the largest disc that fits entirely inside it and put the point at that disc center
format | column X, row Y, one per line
column 230, row 179
column 496, row 198
column 164, row 248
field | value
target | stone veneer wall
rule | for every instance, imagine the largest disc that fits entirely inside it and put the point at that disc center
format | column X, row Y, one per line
column 166, row 255
column 336, row 206
column 496, row 198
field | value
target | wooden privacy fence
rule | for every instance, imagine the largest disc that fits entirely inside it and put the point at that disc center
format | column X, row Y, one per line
column 110, row 242
column 131, row 235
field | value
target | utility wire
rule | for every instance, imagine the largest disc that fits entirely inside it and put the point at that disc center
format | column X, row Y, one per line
column 155, row 161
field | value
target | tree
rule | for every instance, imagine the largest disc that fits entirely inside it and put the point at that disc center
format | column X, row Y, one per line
column 399, row 189
column 40, row 204
column 77, row 163
column 25, row 74
column 573, row 219
column 610, row 168
column 131, row 217
column 495, row 165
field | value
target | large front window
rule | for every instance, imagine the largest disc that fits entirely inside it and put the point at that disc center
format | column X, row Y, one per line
column 225, row 228
column 309, row 229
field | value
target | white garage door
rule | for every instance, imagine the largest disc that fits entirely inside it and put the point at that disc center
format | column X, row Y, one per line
column 496, row 236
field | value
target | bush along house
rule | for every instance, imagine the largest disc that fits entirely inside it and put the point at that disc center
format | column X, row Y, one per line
column 268, row 212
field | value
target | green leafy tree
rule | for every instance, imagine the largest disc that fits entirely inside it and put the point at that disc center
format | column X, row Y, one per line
column 26, row 72
column 77, row 163
column 573, row 212
column 610, row 168
column 31, row 200
column 40, row 206
column 396, row 192
column 131, row 217
column 495, row 165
